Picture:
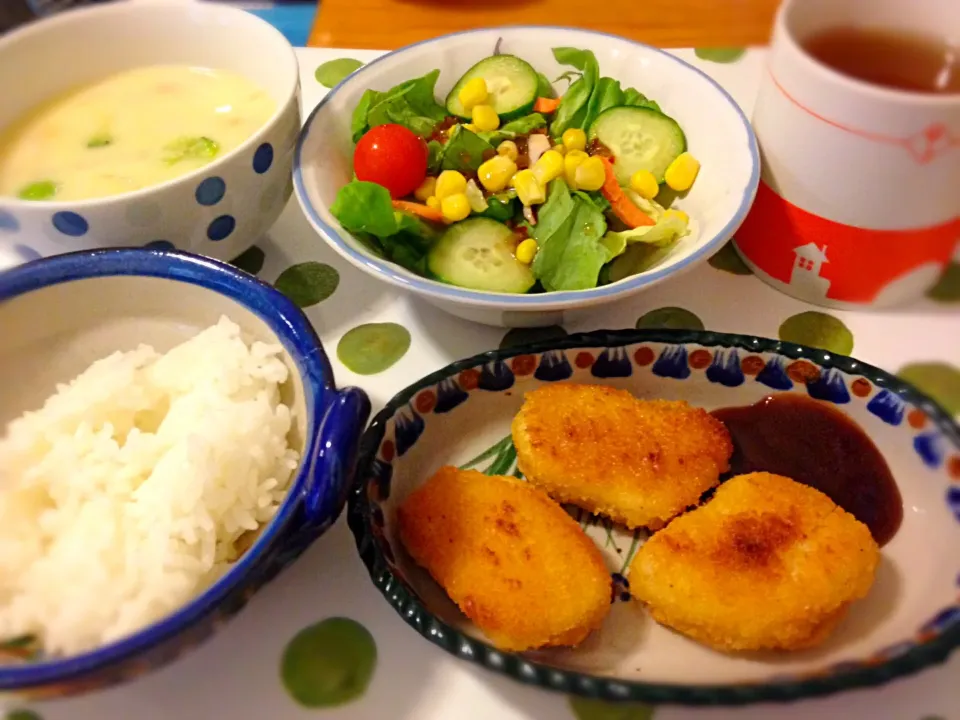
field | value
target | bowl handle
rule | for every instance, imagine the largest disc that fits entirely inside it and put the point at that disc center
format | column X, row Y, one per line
column 332, row 471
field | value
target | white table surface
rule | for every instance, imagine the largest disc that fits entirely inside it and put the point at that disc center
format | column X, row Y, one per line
column 235, row 675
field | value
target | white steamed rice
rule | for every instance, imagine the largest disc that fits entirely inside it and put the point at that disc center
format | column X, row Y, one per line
column 125, row 495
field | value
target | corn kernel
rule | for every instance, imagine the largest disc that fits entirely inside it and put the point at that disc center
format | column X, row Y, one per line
column 682, row 172
column 478, row 203
column 427, row 188
column 574, row 139
column 508, row 148
column 485, row 118
column 473, row 93
column 529, row 189
column 571, row 161
column 455, row 207
column 433, row 202
column 496, row 172
column 449, row 183
column 526, row 251
column 590, row 174
column 677, row 213
column 548, row 167
column 560, row 149
column 644, row 184
column 471, row 127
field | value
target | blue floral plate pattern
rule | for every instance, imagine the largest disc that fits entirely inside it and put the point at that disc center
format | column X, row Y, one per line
column 461, row 415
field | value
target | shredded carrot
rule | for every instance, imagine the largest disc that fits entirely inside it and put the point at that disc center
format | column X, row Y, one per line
column 622, row 206
column 418, row 209
column 546, row 105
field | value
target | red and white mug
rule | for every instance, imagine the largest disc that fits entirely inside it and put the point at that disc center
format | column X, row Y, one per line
column 859, row 198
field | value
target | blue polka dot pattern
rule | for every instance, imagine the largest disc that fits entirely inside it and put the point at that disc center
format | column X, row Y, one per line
column 263, row 158
column 211, row 191
column 27, row 253
column 160, row 245
column 8, row 223
column 221, row 227
column 70, row 223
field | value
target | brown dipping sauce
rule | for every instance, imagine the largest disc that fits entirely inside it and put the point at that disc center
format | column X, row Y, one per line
column 817, row 445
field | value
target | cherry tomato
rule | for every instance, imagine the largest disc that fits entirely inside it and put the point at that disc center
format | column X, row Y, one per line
column 392, row 156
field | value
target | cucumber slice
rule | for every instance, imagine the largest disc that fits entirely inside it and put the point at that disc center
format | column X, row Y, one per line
column 511, row 82
column 640, row 139
column 478, row 254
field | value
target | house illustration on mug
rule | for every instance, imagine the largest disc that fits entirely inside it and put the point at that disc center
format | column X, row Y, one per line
column 805, row 275
column 866, row 265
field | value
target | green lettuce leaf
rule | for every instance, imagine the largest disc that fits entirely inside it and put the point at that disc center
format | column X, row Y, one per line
column 643, row 247
column 635, row 98
column 553, row 217
column 415, row 231
column 615, row 244
column 434, row 156
column 544, row 86
column 569, row 231
column 579, row 59
column 572, row 111
column 500, row 207
column 365, row 210
column 606, row 94
column 521, row 126
column 365, row 207
column 636, row 259
column 412, row 104
column 597, row 198
column 464, row 150
column 590, row 94
column 666, row 231
column 397, row 250
column 358, row 121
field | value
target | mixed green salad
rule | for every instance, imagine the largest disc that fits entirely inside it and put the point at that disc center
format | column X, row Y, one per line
column 506, row 187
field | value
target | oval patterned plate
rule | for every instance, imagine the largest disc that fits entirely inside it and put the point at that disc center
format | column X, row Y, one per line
column 461, row 416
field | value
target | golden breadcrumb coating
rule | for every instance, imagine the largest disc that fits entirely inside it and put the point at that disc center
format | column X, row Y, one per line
column 512, row 559
column 639, row 462
column 767, row 563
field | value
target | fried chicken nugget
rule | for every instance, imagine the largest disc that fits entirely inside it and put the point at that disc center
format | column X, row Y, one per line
column 768, row 563
column 639, row 462
column 514, row 562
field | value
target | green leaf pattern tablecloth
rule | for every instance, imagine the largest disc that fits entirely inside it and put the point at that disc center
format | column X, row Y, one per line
column 321, row 642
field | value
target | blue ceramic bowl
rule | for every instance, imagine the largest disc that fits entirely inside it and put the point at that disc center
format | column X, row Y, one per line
column 62, row 313
column 461, row 415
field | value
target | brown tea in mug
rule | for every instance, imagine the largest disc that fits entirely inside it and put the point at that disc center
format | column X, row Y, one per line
column 893, row 59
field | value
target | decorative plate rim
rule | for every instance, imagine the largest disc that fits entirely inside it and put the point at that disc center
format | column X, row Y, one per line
column 530, row 672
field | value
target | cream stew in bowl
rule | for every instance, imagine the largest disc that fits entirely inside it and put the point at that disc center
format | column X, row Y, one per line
column 128, row 131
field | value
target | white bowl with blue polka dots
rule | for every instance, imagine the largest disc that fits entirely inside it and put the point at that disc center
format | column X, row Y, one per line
column 219, row 210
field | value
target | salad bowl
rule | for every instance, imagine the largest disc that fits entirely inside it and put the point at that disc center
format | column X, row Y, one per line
column 710, row 126
column 461, row 415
